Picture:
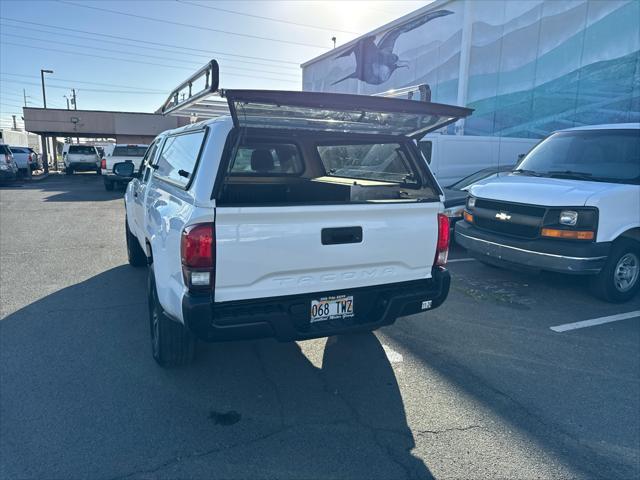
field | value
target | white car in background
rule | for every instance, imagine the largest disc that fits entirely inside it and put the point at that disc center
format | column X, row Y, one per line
column 120, row 152
column 22, row 157
column 8, row 167
column 81, row 158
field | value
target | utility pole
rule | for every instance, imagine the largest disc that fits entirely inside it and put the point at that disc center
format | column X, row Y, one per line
column 67, row 99
column 333, row 39
column 15, row 126
column 75, row 100
column 44, row 93
column 24, row 94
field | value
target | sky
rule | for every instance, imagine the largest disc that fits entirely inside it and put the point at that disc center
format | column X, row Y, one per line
column 128, row 55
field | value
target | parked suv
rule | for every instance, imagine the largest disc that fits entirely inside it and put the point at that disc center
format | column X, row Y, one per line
column 8, row 167
column 23, row 158
column 120, row 153
column 81, row 158
column 302, row 215
column 572, row 205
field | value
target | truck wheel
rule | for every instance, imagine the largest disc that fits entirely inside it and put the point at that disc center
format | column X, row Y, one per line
column 172, row 343
column 108, row 185
column 135, row 253
column 68, row 171
column 619, row 280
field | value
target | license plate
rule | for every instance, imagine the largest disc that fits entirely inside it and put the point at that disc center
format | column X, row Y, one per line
column 331, row 308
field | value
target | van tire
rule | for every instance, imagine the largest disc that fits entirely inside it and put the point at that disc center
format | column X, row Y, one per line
column 108, row 185
column 135, row 253
column 624, row 253
column 172, row 344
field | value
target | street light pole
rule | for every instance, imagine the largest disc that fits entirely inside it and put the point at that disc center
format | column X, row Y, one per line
column 45, row 157
column 44, row 94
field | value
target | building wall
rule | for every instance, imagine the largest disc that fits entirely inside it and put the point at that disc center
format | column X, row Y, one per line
column 526, row 67
column 95, row 123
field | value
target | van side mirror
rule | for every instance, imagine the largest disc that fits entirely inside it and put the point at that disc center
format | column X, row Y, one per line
column 124, row 169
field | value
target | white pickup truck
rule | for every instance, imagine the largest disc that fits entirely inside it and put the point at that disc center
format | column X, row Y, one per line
column 301, row 215
column 572, row 205
column 120, row 153
column 80, row 158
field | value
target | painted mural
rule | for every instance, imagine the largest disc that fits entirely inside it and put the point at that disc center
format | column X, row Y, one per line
column 528, row 67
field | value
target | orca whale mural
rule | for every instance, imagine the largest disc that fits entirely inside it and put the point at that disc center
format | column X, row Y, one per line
column 526, row 67
column 375, row 62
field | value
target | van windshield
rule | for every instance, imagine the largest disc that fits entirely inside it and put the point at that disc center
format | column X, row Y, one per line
column 367, row 161
column 592, row 155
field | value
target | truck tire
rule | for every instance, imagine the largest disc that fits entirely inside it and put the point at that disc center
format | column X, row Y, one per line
column 619, row 280
column 68, row 171
column 135, row 254
column 108, row 185
column 172, row 344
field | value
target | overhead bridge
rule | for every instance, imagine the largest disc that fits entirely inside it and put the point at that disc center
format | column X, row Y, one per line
column 125, row 127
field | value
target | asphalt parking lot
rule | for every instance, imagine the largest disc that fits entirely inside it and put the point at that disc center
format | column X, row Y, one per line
column 480, row 388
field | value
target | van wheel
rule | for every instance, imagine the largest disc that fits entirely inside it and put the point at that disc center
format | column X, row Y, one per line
column 108, row 185
column 68, row 171
column 135, row 253
column 172, row 343
column 619, row 280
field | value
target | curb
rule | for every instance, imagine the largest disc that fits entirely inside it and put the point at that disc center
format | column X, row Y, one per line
column 39, row 178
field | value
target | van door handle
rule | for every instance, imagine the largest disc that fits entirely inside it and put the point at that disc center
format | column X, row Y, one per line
column 341, row 235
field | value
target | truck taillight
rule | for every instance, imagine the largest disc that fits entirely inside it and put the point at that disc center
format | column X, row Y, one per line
column 442, row 247
column 103, row 164
column 197, row 250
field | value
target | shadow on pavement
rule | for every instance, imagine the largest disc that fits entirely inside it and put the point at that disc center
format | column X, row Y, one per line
column 79, row 187
column 575, row 396
column 82, row 398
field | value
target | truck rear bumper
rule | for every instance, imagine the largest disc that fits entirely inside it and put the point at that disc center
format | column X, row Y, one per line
column 541, row 254
column 83, row 166
column 287, row 318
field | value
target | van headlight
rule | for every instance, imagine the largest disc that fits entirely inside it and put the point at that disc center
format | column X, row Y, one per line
column 569, row 218
column 471, row 202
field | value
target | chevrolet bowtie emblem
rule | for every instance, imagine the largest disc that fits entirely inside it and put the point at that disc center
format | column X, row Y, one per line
column 503, row 216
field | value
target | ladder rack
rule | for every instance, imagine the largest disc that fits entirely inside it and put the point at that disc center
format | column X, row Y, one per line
column 195, row 96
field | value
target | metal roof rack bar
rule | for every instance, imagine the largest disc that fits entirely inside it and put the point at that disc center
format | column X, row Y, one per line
column 184, row 101
column 422, row 89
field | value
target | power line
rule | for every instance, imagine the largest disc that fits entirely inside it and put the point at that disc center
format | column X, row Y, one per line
column 210, row 52
column 94, row 90
column 189, row 62
column 10, row 105
column 155, row 48
column 151, row 90
column 198, row 27
column 266, row 18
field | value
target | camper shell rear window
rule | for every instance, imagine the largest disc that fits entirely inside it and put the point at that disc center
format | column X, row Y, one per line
column 267, row 168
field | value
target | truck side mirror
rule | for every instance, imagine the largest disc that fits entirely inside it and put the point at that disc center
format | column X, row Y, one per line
column 124, row 169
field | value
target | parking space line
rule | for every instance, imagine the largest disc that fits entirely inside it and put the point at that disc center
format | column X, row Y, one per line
column 455, row 260
column 595, row 321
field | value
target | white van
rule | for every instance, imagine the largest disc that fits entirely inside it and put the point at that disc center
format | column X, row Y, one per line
column 453, row 157
column 572, row 205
